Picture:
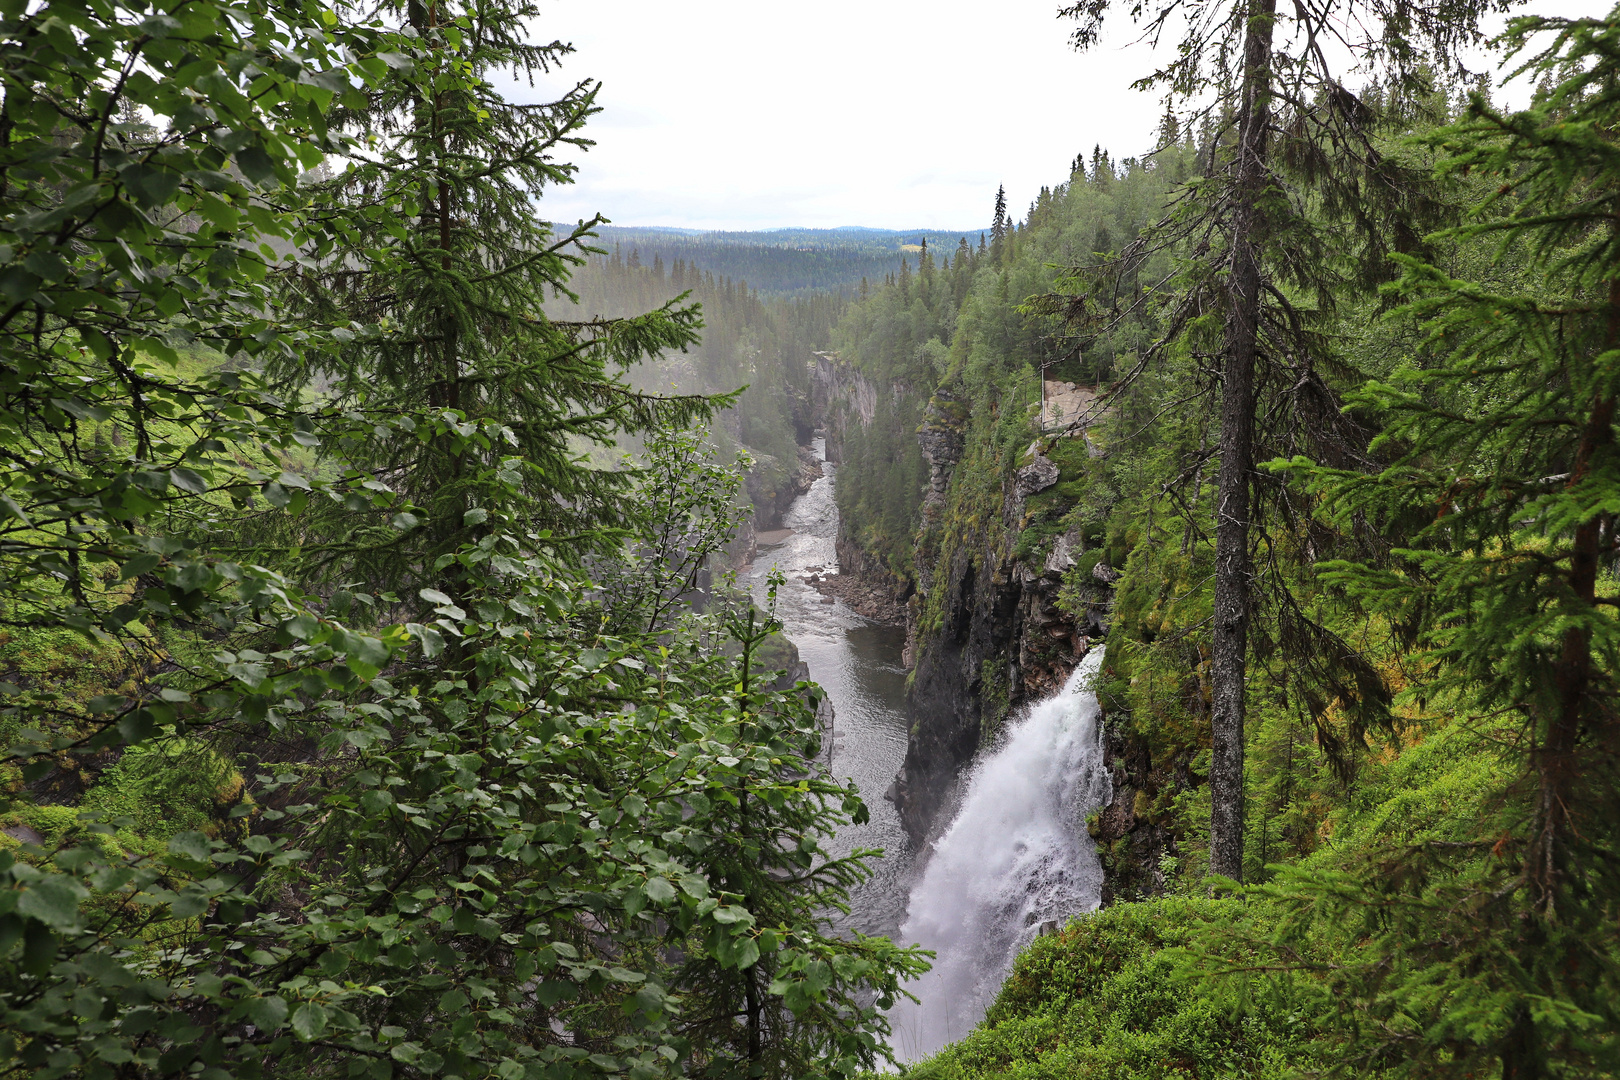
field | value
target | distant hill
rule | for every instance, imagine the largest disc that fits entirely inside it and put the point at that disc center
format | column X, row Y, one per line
column 786, row 262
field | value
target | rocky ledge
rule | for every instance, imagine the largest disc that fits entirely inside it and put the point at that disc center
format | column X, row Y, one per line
column 867, row 596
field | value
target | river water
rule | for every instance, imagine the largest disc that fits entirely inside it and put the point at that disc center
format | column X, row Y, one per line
column 857, row 663
column 1014, row 856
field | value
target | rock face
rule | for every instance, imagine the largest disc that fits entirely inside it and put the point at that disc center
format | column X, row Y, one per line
column 773, row 485
column 940, row 438
column 963, row 659
column 840, row 396
column 999, row 639
column 1132, row 831
column 1037, row 476
column 1003, row 642
column 868, row 588
column 810, row 469
column 1066, row 404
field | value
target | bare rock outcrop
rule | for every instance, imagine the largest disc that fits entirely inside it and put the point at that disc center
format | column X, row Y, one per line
column 1037, row 476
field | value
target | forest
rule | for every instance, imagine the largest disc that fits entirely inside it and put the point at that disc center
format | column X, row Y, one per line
column 1357, row 595
column 361, row 721
column 377, row 697
column 781, row 262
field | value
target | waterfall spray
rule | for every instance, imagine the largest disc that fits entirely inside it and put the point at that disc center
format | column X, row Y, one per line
column 1016, row 855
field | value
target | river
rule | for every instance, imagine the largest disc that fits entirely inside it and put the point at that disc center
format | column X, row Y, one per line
column 1013, row 858
column 858, row 664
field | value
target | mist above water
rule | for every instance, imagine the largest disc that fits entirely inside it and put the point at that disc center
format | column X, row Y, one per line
column 1016, row 856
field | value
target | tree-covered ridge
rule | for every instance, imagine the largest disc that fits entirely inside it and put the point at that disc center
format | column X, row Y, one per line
column 1427, row 764
column 952, row 329
column 356, row 724
column 784, row 262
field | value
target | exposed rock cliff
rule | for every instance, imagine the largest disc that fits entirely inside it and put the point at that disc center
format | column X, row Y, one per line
column 773, row 485
column 1131, row 839
column 842, row 399
column 986, row 630
column 1002, row 641
column 840, row 396
column 940, row 437
column 990, row 634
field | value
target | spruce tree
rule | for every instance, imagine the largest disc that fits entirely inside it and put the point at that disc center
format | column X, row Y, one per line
column 433, row 258
column 998, row 229
column 1492, row 945
column 796, row 1000
column 1272, row 271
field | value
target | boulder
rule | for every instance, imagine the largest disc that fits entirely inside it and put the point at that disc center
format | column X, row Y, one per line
column 1037, row 476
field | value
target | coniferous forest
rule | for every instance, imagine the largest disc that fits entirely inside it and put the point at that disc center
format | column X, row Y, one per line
column 377, row 698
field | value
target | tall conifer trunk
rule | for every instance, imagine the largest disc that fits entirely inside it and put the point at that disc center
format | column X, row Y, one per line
column 1557, row 768
column 1232, row 574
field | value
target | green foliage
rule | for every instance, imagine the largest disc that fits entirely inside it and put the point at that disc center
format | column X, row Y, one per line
column 167, row 787
column 1113, row 994
column 1490, row 939
column 308, row 825
column 881, row 483
column 1047, row 513
column 505, row 856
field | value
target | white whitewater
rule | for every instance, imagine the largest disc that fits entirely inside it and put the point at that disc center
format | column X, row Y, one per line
column 1017, row 855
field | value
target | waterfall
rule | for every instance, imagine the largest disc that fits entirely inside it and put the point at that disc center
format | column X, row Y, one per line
column 1016, row 856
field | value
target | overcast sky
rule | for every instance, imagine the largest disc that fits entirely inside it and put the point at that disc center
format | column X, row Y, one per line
column 743, row 114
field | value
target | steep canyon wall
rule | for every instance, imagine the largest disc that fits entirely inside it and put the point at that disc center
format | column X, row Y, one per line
column 997, row 614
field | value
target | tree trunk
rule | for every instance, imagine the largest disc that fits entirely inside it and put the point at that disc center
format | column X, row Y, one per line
column 1557, row 766
column 1231, row 633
